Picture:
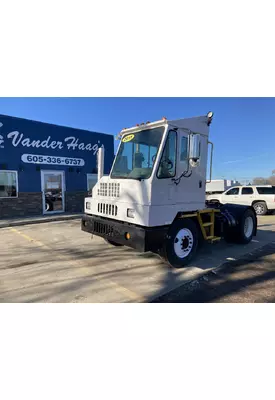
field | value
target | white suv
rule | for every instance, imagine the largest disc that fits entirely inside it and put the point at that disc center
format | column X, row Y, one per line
column 262, row 198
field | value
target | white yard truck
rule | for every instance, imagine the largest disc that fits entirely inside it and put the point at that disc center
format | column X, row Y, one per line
column 154, row 198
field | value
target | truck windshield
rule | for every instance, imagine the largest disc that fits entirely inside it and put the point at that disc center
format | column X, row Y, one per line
column 137, row 153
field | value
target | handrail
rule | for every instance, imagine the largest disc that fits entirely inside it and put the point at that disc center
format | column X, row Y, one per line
column 211, row 158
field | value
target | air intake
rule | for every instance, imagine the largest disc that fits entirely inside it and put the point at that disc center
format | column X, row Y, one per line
column 107, row 209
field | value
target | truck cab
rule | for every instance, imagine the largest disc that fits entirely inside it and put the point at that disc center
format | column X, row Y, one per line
column 149, row 171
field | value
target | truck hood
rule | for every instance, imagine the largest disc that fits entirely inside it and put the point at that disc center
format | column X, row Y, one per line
column 123, row 190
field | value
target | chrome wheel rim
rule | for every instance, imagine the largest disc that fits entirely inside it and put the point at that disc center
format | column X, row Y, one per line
column 259, row 208
column 183, row 243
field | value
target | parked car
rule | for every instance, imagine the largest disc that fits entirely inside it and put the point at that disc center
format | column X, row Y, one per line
column 262, row 198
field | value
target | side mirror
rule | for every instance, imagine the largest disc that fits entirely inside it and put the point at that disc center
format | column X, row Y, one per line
column 194, row 149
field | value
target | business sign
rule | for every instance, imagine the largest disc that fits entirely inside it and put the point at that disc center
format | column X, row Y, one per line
column 1, row 138
column 50, row 160
column 26, row 145
column 18, row 139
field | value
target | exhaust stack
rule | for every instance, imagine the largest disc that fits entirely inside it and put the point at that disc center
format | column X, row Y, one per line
column 100, row 163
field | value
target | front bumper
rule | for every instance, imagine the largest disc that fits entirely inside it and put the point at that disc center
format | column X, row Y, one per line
column 141, row 238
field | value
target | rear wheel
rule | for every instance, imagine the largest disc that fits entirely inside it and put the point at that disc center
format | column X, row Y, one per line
column 260, row 208
column 246, row 227
column 181, row 243
column 113, row 243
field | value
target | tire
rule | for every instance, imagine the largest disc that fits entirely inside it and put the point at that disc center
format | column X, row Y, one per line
column 113, row 243
column 246, row 227
column 260, row 208
column 49, row 205
column 181, row 243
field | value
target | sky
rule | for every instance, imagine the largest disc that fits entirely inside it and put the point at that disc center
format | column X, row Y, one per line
column 243, row 129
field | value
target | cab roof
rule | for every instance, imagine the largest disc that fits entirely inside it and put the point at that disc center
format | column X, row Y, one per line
column 194, row 124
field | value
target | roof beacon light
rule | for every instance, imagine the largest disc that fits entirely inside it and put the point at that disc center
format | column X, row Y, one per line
column 209, row 117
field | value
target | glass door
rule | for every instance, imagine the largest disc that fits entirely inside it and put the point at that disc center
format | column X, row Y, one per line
column 52, row 191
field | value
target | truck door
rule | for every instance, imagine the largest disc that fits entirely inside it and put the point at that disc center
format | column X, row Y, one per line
column 163, row 185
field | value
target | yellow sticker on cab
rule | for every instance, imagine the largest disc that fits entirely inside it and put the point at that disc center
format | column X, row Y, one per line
column 128, row 138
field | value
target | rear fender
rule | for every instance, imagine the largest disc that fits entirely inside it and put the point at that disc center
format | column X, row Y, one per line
column 235, row 212
column 258, row 201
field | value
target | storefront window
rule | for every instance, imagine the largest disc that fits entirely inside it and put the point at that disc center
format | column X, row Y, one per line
column 8, row 184
column 91, row 181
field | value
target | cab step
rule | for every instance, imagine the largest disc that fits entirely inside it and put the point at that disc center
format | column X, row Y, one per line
column 213, row 238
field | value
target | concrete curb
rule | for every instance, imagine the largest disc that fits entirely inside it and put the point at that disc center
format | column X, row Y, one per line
column 38, row 220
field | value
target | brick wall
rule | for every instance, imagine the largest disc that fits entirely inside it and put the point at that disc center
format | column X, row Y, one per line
column 26, row 204
column 30, row 204
column 74, row 201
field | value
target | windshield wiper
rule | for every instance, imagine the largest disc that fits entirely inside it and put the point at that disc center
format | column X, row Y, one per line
column 126, row 177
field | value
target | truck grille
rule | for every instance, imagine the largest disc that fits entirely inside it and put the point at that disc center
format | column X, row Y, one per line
column 103, row 229
column 111, row 189
column 107, row 209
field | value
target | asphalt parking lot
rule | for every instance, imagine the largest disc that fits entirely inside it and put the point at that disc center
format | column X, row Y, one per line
column 57, row 262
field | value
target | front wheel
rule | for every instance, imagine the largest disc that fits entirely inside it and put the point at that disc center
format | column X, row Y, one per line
column 181, row 243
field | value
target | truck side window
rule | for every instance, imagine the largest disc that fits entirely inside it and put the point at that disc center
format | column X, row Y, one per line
column 167, row 165
column 183, row 148
column 247, row 190
column 233, row 191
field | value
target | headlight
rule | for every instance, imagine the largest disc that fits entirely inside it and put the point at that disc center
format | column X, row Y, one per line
column 130, row 213
column 88, row 205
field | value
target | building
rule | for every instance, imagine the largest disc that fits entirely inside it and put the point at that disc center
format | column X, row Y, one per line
column 220, row 185
column 47, row 168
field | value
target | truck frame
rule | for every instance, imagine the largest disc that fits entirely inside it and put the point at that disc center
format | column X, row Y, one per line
column 154, row 198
